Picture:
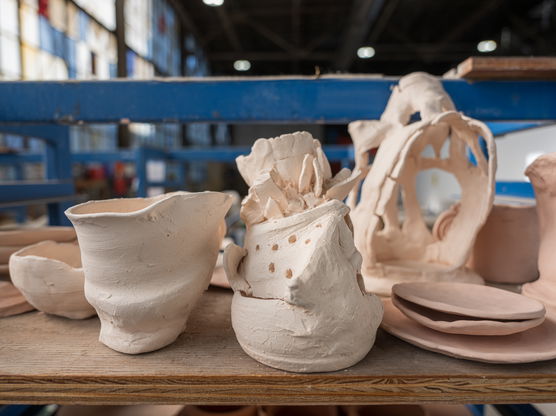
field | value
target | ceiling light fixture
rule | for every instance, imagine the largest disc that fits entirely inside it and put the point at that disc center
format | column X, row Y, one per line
column 213, row 3
column 366, row 52
column 485, row 46
column 242, row 65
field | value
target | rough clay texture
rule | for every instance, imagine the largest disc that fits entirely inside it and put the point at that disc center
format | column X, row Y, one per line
column 507, row 247
column 147, row 261
column 396, row 250
column 542, row 173
column 50, row 276
column 299, row 302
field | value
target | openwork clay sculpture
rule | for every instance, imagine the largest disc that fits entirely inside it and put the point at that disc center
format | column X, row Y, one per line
column 147, row 261
column 396, row 250
column 299, row 302
column 542, row 173
column 50, row 276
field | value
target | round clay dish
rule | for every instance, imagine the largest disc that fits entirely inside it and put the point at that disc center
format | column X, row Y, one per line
column 466, row 299
column 456, row 324
column 536, row 344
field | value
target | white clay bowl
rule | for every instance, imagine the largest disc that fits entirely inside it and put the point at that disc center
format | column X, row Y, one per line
column 470, row 300
column 456, row 324
column 50, row 276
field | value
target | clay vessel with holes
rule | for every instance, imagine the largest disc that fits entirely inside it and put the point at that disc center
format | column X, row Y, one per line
column 299, row 302
column 147, row 261
column 542, row 173
column 50, row 276
column 396, row 250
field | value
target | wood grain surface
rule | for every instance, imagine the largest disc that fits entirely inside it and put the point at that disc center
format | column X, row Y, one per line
column 507, row 68
column 46, row 359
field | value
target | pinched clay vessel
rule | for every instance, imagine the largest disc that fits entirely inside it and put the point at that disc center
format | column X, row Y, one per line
column 299, row 303
column 147, row 261
column 542, row 173
column 50, row 276
column 396, row 250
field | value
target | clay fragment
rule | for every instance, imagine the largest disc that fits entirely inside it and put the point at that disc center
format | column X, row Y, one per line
column 50, row 276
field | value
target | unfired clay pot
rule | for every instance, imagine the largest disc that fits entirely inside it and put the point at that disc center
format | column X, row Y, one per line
column 50, row 276
column 507, row 246
column 397, row 249
column 299, row 302
column 147, row 261
column 542, row 173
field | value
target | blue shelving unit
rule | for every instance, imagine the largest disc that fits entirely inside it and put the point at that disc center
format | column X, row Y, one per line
column 46, row 109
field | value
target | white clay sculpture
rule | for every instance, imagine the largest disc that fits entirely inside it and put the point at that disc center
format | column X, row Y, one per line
column 299, row 302
column 397, row 249
column 147, row 261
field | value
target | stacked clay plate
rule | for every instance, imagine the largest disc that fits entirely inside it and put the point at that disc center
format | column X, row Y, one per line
column 471, row 321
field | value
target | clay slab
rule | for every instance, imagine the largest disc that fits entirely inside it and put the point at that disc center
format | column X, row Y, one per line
column 456, row 324
column 27, row 236
column 12, row 301
column 537, row 344
column 470, row 300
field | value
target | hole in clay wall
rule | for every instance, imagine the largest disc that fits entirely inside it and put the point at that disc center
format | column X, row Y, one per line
column 437, row 190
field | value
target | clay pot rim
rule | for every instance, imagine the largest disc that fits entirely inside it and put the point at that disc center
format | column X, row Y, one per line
column 20, row 254
column 157, row 200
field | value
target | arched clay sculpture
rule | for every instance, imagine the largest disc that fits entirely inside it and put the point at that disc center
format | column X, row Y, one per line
column 50, row 276
column 299, row 302
column 542, row 173
column 396, row 250
column 147, row 261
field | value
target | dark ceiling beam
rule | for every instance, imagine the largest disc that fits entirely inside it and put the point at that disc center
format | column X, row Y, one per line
column 395, row 55
column 273, row 37
column 229, row 28
column 467, row 23
column 186, row 20
column 383, row 21
column 362, row 17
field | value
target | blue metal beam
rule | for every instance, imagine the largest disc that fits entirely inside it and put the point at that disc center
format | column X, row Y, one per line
column 26, row 190
column 303, row 100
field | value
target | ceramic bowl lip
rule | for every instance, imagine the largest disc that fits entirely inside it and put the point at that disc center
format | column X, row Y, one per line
column 20, row 254
column 157, row 200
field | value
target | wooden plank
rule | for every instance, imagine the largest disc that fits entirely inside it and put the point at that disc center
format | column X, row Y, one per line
column 45, row 359
column 494, row 68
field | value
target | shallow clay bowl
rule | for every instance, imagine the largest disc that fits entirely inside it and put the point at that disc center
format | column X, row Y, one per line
column 27, row 236
column 471, row 300
column 536, row 344
column 457, row 324
column 50, row 276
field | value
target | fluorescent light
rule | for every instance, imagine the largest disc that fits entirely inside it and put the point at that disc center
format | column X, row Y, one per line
column 242, row 65
column 213, row 3
column 366, row 52
column 486, row 46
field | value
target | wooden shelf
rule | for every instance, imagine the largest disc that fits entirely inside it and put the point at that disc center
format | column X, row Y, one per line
column 44, row 359
column 522, row 68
